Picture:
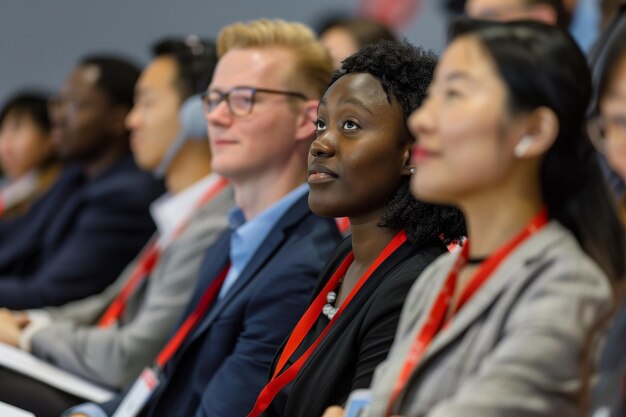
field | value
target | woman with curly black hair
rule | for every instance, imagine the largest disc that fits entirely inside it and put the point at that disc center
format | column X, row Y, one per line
column 359, row 167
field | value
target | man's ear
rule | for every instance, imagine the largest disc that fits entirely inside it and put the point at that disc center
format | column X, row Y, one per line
column 307, row 115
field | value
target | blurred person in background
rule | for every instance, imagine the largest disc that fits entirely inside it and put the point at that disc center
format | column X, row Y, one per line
column 110, row 337
column 345, row 36
column 76, row 239
column 607, row 129
column 551, row 12
column 27, row 156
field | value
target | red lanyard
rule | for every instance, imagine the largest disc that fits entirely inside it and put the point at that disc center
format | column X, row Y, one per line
column 207, row 299
column 308, row 320
column 436, row 320
column 343, row 224
column 149, row 259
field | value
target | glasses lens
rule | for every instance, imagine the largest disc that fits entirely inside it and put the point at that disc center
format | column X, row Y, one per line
column 241, row 101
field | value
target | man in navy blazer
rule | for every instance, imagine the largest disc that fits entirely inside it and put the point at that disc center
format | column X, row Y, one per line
column 260, row 107
column 78, row 237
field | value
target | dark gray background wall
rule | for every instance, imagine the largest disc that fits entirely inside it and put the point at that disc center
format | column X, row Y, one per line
column 41, row 40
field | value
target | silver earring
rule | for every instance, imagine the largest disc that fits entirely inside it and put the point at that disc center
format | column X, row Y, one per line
column 412, row 171
column 522, row 146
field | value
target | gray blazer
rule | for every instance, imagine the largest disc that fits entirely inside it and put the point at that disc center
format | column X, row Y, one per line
column 115, row 356
column 519, row 347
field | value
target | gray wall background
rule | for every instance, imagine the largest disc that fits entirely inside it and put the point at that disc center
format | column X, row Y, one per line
column 41, row 40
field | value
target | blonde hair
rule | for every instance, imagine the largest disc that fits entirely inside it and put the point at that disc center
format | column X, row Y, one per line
column 311, row 67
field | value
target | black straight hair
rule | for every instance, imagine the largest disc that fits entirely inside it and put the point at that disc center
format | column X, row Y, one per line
column 542, row 66
column 195, row 58
column 32, row 104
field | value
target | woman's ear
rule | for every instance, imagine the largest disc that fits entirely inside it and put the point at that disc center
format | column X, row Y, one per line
column 407, row 166
column 308, row 114
column 542, row 132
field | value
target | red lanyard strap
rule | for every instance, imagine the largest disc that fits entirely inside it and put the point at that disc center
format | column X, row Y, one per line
column 436, row 317
column 207, row 299
column 308, row 320
column 144, row 266
column 150, row 258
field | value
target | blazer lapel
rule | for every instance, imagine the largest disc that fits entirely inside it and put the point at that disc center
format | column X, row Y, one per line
column 509, row 270
column 266, row 251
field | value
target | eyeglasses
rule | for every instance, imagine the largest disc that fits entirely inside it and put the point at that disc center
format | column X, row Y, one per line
column 241, row 99
column 600, row 128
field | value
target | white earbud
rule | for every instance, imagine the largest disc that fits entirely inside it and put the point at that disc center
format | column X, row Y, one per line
column 522, row 146
column 412, row 170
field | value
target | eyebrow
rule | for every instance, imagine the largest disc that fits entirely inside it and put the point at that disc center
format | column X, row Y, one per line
column 458, row 75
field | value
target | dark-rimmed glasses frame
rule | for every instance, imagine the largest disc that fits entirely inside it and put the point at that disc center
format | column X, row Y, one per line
column 243, row 104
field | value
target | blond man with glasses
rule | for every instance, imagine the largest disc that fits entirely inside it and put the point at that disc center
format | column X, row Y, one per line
column 256, row 279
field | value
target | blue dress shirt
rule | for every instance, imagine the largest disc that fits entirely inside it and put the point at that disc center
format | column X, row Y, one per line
column 247, row 236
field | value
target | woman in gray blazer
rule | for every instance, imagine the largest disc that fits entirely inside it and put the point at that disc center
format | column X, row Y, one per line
column 506, row 326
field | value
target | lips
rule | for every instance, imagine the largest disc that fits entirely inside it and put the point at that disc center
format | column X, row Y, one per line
column 421, row 154
column 223, row 142
column 321, row 174
column 135, row 140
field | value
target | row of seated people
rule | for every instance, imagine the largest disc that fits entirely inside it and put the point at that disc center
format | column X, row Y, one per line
column 487, row 143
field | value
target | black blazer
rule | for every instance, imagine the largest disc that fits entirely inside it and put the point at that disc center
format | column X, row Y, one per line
column 360, row 339
column 77, row 238
column 222, row 366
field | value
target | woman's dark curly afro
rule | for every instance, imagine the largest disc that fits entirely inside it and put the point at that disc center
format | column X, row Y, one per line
column 405, row 72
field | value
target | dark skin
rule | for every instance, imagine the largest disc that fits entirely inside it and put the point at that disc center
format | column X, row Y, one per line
column 359, row 157
column 87, row 127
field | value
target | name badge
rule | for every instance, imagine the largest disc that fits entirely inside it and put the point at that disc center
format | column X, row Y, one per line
column 358, row 403
column 138, row 395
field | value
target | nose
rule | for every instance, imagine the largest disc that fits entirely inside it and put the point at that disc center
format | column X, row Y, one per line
column 421, row 121
column 132, row 119
column 322, row 147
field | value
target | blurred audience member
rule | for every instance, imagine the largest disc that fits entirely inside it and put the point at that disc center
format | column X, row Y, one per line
column 508, row 325
column 607, row 128
column 606, row 49
column 552, row 12
column 78, row 237
column 343, row 37
column 110, row 337
column 27, row 156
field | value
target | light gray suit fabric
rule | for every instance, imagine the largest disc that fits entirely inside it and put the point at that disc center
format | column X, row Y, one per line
column 519, row 347
column 115, row 356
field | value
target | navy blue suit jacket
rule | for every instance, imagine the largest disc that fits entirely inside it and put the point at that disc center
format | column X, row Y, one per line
column 77, row 238
column 221, row 368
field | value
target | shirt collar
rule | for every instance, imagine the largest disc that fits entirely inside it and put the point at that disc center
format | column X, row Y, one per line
column 170, row 211
column 247, row 236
